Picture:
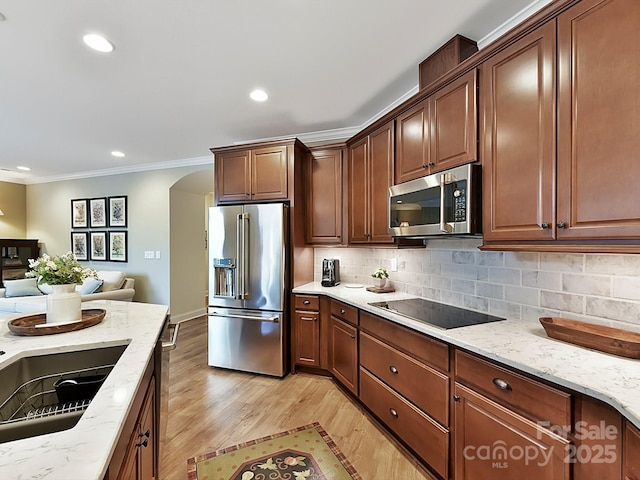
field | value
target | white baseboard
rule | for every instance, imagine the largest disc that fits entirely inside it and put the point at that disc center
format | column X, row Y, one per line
column 183, row 317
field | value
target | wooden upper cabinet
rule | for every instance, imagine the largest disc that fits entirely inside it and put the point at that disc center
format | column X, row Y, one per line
column 324, row 196
column 233, row 176
column 358, row 191
column 599, row 119
column 454, row 124
column 370, row 176
column 252, row 174
column 438, row 133
column 518, row 90
column 412, row 146
column 269, row 173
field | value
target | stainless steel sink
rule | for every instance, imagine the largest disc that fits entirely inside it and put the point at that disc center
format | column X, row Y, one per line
column 32, row 404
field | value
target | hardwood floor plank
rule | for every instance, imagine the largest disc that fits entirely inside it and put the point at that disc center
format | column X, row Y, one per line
column 213, row 408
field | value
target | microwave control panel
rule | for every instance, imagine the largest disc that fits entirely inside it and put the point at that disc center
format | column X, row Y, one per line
column 459, row 205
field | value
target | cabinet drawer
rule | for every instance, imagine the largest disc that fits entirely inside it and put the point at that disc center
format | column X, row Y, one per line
column 420, row 346
column 425, row 437
column 425, row 387
column 345, row 312
column 527, row 396
column 306, row 302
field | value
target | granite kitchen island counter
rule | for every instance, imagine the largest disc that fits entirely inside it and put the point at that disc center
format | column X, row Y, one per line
column 84, row 451
column 523, row 345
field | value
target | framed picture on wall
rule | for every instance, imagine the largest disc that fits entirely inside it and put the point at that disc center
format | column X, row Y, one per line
column 79, row 245
column 118, row 212
column 97, row 212
column 98, row 245
column 118, row 246
column 79, row 216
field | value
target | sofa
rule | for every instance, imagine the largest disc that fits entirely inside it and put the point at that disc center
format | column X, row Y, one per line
column 26, row 296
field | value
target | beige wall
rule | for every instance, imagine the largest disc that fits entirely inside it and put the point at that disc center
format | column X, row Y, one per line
column 13, row 202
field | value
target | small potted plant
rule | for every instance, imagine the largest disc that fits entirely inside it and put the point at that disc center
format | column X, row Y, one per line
column 380, row 277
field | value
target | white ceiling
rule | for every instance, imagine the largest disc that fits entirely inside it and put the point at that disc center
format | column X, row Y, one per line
column 179, row 78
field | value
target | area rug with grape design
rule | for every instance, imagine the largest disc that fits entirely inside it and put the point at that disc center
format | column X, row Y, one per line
column 304, row 453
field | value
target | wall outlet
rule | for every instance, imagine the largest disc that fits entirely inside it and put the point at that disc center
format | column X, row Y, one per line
column 148, row 254
column 394, row 265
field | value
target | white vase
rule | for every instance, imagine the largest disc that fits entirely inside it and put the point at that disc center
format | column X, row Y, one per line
column 63, row 304
column 379, row 282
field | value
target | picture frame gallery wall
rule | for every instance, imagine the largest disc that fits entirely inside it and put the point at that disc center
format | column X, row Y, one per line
column 104, row 218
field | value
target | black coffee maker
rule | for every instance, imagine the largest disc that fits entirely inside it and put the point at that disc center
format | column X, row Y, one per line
column 330, row 272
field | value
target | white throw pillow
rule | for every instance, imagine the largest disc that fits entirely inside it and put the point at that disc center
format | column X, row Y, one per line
column 111, row 280
column 25, row 287
column 89, row 285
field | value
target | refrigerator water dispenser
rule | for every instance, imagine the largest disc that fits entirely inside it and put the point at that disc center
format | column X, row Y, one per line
column 224, row 274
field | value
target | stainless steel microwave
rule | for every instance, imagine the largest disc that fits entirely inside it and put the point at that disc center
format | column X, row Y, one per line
column 445, row 203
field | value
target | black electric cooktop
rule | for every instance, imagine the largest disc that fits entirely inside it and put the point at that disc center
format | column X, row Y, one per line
column 436, row 314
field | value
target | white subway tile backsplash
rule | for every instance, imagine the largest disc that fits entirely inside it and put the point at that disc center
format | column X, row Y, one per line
column 521, row 259
column 522, row 295
column 463, row 286
column 613, row 264
column 542, row 280
column 506, row 276
column 626, row 287
column 562, row 262
column 587, row 284
column 490, row 290
column 562, row 301
column 518, row 285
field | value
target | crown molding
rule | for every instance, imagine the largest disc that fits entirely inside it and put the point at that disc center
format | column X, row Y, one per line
column 518, row 18
column 143, row 167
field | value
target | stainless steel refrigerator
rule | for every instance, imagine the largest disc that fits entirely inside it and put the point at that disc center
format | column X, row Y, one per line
column 247, row 281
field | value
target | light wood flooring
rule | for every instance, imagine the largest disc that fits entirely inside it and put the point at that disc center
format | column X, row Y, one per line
column 211, row 409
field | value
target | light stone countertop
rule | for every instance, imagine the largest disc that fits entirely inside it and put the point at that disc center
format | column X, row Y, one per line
column 523, row 345
column 84, row 451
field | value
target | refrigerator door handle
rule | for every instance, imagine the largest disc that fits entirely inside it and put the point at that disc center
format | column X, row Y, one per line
column 240, row 281
column 243, row 218
column 246, row 317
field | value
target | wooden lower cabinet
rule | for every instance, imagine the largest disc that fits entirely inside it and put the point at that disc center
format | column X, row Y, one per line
column 344, row 353
column 428, row 439
column 307, row 337
column 493, row 442
column 631, row 454
column 140, row 459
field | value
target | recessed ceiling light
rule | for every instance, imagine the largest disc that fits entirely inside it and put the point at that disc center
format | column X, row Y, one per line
column 26, row 169
column 118, row 154
column 259, row 95
column 98, row 42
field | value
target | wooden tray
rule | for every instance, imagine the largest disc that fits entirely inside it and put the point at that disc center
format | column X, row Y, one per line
column 604, row 339
column 27, row 325
column 381, row 290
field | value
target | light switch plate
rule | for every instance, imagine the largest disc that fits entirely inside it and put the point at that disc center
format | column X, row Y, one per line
column 148, row 254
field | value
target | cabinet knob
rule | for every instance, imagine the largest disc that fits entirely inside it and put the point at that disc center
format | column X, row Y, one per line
column 560, row 225
column 424, row 165
column 342, row 312
column 431, row 164
column 393, row 370
column 393, row 412
column 145, row 434
column 307, row 302
column 353, row 337
column 502, row 384
column 545, row 225
column 456, row 398
column 144, row 443
column 315, row 319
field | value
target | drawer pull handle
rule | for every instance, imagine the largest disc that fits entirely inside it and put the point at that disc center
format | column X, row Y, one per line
column 393, row 370
column 306, row 302
column 393, row 412
column 502, row 384
column 342, row 312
